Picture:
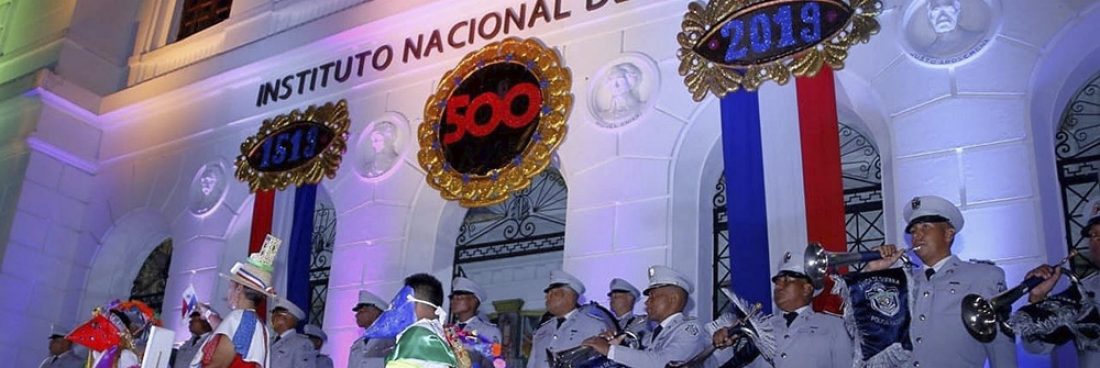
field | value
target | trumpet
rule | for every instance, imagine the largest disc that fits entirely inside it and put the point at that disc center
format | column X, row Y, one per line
column 817, row 260
column 981, row 316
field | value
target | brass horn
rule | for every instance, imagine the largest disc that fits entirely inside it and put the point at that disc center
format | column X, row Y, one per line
column 817, row 261
column 981, row 316
column 585, row 356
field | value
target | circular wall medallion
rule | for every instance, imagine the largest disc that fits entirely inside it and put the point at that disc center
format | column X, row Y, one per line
column 494, row 121
column 945, row 32
column 623, row 90
column 379, row 147
column 208, row 188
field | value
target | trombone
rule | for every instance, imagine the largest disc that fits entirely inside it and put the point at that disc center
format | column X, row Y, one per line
column 981, row 316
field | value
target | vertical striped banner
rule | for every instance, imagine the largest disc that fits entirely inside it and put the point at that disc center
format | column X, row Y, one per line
column 298, row 290
column 263, row 208
column 821, row 170
column 781, row 154
column 745, row 200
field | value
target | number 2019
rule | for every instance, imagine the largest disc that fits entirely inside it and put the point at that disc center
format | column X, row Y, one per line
column 760, row 29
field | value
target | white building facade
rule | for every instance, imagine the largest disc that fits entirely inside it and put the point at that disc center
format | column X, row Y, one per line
column 117, row 137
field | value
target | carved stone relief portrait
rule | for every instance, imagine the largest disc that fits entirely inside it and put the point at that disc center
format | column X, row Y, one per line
column 943, row 32
column 378, row 149
column 207, row 188
column 623, row 90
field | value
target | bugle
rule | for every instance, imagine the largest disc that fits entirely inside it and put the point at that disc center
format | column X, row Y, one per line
column 817, row 261
column 981, row 316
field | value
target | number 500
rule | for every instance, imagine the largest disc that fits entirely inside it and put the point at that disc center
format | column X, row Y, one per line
column 465, row 123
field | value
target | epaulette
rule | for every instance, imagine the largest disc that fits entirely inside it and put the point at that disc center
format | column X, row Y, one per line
column 982, row 261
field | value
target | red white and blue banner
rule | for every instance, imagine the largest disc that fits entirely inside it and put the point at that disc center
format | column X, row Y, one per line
column 783, row 179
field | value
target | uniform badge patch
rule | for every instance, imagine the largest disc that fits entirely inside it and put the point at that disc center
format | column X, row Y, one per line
column 915, row 203
column 884, row 299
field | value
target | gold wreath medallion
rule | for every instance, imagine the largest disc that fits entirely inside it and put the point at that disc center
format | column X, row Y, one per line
column 702, row 21
column 494, row 186
column 332, row 116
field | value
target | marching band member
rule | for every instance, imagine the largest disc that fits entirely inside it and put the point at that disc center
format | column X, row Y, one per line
column 61, row 351
column 466, row 298
column 803, row 338
column 290, row 348
column 319, row 338
column 1088, row 349
column 623, row 296
column 938, row 335
column 569, row 326
column 369, row 352
column 676, row 338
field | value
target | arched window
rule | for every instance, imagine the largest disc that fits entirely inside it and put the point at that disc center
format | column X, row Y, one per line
column 320, row 261
column 721, row 275
column 530, row 222
column 1077, row 146
column 861, row 170
column 149, row 284
column 509, row 249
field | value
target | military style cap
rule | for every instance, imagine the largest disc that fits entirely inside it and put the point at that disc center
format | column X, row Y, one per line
column 660, row 276
column 315, row 331
column 367, row 298
column 290, row 308
column 618, row 284
column 932, row 209
column 794, row 265
column 58, row 331
column 462, row 284
column 559, row 278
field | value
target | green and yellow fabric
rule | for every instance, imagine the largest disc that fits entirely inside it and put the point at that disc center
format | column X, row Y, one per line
column 420, row 346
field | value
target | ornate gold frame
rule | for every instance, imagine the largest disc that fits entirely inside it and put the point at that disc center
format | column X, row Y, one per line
column 484, row 190
column 332, row 115
column 701, row 75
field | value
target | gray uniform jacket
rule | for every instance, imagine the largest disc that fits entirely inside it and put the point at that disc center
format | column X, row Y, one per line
column 293, row 350
column 679, row 339
column 812, row 340
column 190, row 348
column 1090, row 289
column 483, row 329
column 64, row 360
column 576, row 327
column 939, row 338
column 636, row 323
column 323, row 361
column 370, row 353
